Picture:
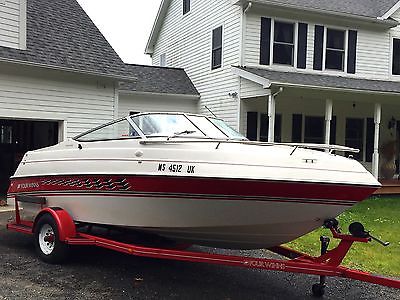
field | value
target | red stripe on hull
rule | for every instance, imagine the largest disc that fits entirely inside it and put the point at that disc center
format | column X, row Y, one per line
column 191, row 197
column 191, row 185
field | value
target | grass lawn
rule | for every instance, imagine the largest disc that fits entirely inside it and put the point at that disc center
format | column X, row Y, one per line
column 381, row 216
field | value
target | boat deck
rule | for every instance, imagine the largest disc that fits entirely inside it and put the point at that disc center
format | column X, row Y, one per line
column 389, row 187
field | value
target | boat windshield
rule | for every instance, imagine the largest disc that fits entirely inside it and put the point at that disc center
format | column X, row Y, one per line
column 184, row 125
column 147, row 125
column 153, row 125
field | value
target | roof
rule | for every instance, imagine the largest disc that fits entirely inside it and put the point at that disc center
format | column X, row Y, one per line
column 364, row 8
column 372, row 10
column 60, row 35
column 158, row 80
column 324, row 81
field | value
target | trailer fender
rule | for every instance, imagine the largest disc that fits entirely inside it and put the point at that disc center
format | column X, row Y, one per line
column 65, row 224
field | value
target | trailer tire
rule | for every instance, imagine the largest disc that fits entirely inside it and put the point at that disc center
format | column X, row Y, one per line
column 318, row 290
column 47, row 243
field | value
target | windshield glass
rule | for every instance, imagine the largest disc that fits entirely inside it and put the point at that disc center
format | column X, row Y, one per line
column 229, row 131
column 120, row 129
column 207, row 127
column 166, row 125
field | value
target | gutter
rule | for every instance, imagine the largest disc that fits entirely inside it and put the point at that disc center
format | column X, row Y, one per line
column 376, row 20
column 267, row 83
column 64, row 69
column 181, row 96
column 327, row 88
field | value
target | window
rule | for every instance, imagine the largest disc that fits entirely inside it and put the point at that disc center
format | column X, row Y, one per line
column 335, row 49
column 314, row 130
column 5, row 134
column 258, row 124
column 216, row 59
column 186, row 6
column 283, row 47
column 264, row 125
column 163, row 60
column 355, row 136
column 396, row 57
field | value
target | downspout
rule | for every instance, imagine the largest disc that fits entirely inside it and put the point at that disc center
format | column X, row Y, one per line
column 241, row 57
column 271, row 115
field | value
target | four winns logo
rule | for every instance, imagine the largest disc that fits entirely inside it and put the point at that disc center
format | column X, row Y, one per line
column 28, row 185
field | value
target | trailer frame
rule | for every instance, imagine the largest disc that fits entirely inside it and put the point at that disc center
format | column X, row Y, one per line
column 327, row 264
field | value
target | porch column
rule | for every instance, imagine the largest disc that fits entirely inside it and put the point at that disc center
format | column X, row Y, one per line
column 271, row 118
column 375, row 157
column 328, row 119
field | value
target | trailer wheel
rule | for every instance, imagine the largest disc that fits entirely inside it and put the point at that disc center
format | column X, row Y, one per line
column 318, row 290
column 48, row 246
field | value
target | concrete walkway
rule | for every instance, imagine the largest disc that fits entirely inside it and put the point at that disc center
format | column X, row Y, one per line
column 7, row 208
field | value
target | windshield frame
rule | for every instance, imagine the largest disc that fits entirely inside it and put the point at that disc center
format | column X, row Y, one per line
column 144, row 137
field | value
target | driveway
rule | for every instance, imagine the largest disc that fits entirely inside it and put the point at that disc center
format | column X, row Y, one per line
column 94, row 273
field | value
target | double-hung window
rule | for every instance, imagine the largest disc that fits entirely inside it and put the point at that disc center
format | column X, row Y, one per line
column 396, row 57
column 283, row 44
column 216, row 55
column 186, row 6
column 335, row 49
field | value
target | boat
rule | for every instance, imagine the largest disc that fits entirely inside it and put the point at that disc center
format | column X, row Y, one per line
column 193, row 179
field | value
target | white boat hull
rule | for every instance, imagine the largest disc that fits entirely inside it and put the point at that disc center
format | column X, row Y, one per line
column 224, row 195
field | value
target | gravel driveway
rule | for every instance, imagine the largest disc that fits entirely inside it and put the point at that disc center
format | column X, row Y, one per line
column 94, row 273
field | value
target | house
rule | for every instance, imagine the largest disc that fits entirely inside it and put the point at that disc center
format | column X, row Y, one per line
column 59, row 77
column 292, row 71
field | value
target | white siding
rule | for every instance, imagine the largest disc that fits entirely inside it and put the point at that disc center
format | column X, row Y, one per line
column 13, row 23
column 186, row 40
column 373, row 54
column 148, row 103
column 82, row 102
column 250, row 89
column 373, row 48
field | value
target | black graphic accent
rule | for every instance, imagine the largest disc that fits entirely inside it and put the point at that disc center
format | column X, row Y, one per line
column 108, row 184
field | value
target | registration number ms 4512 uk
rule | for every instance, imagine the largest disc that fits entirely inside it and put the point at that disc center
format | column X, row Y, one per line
column 176, row 168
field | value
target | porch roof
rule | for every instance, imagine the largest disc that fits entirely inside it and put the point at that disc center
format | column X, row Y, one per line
column 317, row 81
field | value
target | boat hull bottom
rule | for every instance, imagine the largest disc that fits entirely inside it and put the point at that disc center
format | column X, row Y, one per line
column 235, row 224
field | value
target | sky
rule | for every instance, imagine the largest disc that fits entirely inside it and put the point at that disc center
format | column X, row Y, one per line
column 126, row 24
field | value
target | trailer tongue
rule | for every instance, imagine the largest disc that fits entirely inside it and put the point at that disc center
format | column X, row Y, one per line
column 54, row 230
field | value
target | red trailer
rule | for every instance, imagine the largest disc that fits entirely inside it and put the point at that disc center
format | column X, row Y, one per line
column 54, row 230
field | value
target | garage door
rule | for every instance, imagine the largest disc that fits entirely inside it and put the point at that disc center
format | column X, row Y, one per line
column 16, row 138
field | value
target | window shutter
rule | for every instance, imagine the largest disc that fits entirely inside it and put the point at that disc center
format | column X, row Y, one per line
column 333, row 131
column 297, row 122
column 369, row 147
column 265, row 41
column 252, row 119
column 352, row 44
column 278, row 128
column 302, row 46
column 318, row 46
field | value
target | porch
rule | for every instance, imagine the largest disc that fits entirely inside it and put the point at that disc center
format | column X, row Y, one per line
column 293, row 107
column 389, row 187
